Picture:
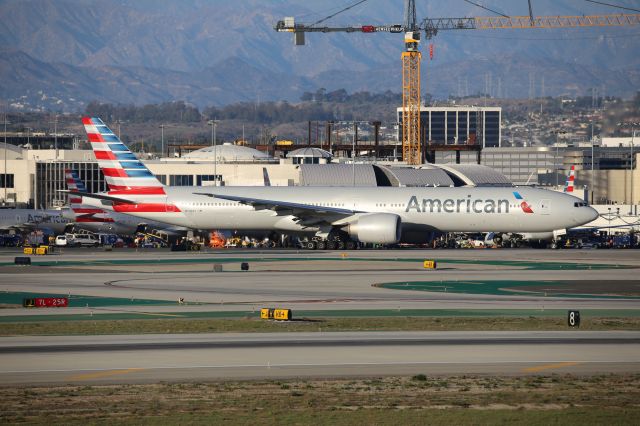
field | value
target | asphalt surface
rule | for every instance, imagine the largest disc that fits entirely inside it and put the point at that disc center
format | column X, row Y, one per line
column 152, row 358
column 317, row 281
column 304, row 280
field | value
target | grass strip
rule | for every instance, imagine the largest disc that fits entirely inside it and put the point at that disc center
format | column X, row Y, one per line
column 421, row 399
column 248, row 324
column 538, row 265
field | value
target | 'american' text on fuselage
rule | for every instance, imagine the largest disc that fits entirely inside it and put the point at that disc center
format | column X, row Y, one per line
column 462, row 205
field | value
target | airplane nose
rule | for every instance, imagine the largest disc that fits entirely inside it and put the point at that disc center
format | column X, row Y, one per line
column 592, row 214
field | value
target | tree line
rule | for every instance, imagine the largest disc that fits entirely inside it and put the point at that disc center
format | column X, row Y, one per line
column 318, row 106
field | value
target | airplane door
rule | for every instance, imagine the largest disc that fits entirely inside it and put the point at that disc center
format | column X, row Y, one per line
column 545, row 206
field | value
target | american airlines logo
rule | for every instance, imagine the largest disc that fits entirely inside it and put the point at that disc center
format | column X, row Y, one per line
column 464, row 205
column 46, row 219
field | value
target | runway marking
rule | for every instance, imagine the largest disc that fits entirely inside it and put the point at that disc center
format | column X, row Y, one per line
column 551, row 366
column 124, row 311
column 156, row 315
column 101, row 374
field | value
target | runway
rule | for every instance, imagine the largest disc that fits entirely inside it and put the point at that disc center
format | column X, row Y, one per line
column 152, row 358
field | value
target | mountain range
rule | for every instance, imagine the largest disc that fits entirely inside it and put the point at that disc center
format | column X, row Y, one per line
column 63, row 54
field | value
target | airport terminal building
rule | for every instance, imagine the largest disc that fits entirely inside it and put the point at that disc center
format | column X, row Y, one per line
column 35, row 178
column 459, row 125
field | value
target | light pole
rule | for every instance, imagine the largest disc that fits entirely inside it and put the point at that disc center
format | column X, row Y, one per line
column 214, row 124
column 161, row 140
column 4, row 183
column 55, row 134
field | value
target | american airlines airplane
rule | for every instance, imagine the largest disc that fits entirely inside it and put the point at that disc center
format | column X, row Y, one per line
column 383, row 215
column 96, row 219
column 24, row 220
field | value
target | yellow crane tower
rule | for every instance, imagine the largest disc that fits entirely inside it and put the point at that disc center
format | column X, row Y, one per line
column 411, row 136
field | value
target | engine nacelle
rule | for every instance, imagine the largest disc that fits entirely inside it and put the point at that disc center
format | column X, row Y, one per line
column 538, row 236
column 380, row 228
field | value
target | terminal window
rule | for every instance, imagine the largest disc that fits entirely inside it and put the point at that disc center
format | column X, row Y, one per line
column 451, row 127
column 207, row 178
column 181, row 180
column 437, row 126
column 6, row 180
column 492, row 128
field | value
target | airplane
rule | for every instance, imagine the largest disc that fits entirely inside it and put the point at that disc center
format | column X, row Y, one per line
column 383, row 215
column 26, row 220
column 100, row 220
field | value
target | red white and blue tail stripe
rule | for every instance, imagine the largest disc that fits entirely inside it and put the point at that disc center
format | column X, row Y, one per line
column 128, row 179
column 83, row 213
column 572, row 175
column 124, row 173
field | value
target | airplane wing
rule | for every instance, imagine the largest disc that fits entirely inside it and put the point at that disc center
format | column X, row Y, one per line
column 21, row 227
column 306, row 214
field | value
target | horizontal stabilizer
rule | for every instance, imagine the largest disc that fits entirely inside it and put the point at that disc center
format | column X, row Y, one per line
column 99, row 196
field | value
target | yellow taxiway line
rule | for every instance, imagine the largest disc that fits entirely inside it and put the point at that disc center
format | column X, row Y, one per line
column 550, row 366
column 101, row 374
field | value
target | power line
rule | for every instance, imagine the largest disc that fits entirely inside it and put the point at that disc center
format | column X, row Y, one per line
column 339, row 12
column 613, row 5
column 486, row 8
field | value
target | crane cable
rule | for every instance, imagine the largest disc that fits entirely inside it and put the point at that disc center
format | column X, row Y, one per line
column 338, row 12
column 486, row 8
column 613, row 5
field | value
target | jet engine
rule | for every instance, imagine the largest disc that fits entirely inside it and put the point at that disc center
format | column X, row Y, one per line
column 381, row 228
column 538, row 236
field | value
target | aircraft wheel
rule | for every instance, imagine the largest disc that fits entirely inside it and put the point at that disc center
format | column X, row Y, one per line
column 350, row 245
column 322, row 245
column 340, row 245
column 331, row 245
column 311, row 245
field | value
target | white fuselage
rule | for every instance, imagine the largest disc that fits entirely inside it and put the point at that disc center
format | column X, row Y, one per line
column 460, row 209
column 30, row 219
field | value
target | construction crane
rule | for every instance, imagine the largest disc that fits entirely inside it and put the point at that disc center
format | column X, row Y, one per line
column 411, row 136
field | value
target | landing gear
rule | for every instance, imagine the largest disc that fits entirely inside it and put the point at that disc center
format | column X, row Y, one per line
column 338, row 240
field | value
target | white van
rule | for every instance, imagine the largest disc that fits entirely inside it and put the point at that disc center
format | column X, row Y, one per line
column 86, row 240
column 61, row 240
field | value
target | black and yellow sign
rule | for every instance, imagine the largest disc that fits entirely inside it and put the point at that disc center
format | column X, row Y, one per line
column 277, row 314
column 429, row 264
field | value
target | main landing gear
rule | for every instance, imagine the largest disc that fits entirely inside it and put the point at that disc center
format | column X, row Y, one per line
column 334, row 241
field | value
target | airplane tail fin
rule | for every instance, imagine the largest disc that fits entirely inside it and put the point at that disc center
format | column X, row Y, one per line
column 568, row 188
column 74, row 184
column 124, row 173
column 82, row 212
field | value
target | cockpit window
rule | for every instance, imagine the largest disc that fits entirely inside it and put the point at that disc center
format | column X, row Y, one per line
column 579, row 204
